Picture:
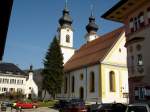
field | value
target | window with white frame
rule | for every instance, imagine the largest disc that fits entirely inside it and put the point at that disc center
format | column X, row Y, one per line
column 140, row 63
column 140, row 60
column 136, row 22
column 140, row 93
column 141, row 19
column 131, row 25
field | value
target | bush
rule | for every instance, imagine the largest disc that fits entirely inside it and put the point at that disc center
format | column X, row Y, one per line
column 12, row 95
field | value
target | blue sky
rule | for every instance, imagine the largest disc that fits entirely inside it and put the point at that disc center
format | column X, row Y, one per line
column 34, row 23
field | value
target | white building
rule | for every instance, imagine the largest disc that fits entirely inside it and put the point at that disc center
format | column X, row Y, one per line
column 13, row 79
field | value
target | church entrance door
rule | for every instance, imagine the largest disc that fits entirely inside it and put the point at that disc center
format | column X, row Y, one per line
column 81, row 93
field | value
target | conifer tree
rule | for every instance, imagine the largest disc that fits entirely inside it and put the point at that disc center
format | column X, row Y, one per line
column 53, row 69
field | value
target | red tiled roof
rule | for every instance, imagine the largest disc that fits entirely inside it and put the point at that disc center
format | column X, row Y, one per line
column 94, row 51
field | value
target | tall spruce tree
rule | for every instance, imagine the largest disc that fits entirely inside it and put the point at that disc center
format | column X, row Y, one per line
column 53, row 69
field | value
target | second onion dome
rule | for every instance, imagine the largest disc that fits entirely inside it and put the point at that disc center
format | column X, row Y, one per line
column 92, row 26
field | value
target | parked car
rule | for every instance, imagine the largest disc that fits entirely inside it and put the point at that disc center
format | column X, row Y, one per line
column 107, row 107
column 26, row 105
column 62, row 105
column 119, row 107
column 3, row 107
column 94, row 107
column 76, row 105
column 140, row 107
column 7, row 103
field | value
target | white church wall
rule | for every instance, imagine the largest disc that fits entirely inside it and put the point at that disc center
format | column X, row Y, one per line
column 88, row 96
column 78, row 82
column 63, row 33
column 67, row 53
column 89, row 37
column 93, row 96
column 31, row 87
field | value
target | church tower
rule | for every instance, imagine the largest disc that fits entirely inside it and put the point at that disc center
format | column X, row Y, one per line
column 91, row 28
column 65, row 34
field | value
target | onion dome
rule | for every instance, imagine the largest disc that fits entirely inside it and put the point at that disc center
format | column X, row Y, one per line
column 92, row 26
column 66, row 18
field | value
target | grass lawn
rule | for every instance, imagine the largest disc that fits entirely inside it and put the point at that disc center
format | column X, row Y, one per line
column 49, row 103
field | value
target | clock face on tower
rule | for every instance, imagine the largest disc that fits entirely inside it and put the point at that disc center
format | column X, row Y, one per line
column 68, row 38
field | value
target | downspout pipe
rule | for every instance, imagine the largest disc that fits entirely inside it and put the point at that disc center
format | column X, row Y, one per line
column 86, row 82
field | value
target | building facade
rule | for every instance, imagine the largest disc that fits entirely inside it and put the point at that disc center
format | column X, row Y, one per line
column 97, row 72
column 12, row 79
column 136, row 17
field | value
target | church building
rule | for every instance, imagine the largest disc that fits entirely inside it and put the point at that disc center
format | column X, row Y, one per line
column 97, row 71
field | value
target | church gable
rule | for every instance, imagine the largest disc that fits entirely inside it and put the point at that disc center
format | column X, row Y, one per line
column 117, row 54
column 94, row 51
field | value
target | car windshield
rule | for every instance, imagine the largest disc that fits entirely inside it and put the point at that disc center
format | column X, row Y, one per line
column 77, row 102
column 137, row 109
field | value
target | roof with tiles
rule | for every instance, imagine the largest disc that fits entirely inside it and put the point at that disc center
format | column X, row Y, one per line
column 94, row 51
column 10, row 68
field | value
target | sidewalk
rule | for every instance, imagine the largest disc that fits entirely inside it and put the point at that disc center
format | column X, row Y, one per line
column 41, row 109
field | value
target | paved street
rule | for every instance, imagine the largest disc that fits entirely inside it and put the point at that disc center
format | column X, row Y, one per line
column 41, row 109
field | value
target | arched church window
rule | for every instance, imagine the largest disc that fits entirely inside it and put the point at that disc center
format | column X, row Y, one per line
column 112, row 82
column 73, row 84
column 81, row 76
column 92, row 82
column 65, row 88
column 67, row 38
